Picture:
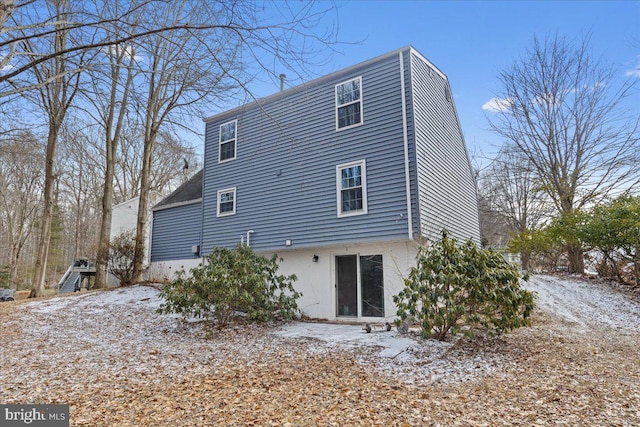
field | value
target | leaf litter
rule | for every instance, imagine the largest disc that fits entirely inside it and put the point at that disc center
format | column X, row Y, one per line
column 119, row 363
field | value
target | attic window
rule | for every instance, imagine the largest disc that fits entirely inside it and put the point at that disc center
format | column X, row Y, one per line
column 447, row 93
column 349, row 104
column 227, row 145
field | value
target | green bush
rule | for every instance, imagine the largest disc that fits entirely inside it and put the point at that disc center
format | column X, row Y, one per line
column 452, row 286
column 231, row 281
column 614, row 230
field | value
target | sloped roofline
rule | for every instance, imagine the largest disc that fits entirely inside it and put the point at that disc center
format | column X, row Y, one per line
column 319, row 80
column 189, row 192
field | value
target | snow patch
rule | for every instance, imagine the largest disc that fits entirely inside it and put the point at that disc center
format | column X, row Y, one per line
column 585, row 304
column 119, row 333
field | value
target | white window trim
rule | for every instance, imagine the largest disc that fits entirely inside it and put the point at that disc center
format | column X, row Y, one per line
column 235, row 202
column 235, row 141
column 363, row 165
column 359, row 78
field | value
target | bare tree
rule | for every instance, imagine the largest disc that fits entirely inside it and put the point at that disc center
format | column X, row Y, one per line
column 111, row 82
column 190, row 55
column 560, row 108
column 54, row 97
column 511, row 192
column 188, row 69
column 81, row 176
column 6, row 8
column 168, row 164
column 20, row 190
column 24, row 23
column 177, row 74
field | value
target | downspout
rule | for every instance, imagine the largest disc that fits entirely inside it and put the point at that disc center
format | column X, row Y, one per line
column 249, row 233
column 405, row 135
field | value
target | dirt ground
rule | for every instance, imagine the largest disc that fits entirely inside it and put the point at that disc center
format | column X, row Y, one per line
column 119, row 363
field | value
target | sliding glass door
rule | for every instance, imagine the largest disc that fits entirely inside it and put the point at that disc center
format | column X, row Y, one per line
column 359, row 286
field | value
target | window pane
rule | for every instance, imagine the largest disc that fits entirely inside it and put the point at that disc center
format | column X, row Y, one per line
column 348, row 92
column 349, row 115
column 351, row 177
column 227, row 150
column 227, row 131
column 371, row 279
column 342, row 117
column 356, row 89
column 226, row 207
column 352, row 200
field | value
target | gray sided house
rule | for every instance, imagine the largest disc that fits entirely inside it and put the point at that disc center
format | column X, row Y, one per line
column 343, row 177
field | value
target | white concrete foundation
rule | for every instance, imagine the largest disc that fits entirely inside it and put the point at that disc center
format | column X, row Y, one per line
column 165, row 271
column 317, row 280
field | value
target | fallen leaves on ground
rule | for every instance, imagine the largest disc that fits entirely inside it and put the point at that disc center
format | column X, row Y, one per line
column 125, row 366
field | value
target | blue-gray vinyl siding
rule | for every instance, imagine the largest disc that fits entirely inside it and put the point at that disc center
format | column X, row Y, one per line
column 285, row 171
column 174, row 231
column 447, row 192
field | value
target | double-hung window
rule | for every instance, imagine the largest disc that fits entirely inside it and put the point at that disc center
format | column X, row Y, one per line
column 349, row 103
column 351, row 186
column 227, row 202
column 227, row 142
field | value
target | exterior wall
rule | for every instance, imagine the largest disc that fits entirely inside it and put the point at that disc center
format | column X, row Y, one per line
column 285, row 171
column 447, row 192
column 124, row 217
column 164, row 271
column 316, row 280
column 175, row 231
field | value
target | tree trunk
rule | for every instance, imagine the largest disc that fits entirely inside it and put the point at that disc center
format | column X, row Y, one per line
column 39, row 276
column 575, row 255
column 14, row 258
column 143, row 209
column 525, row 260
column 102, row 257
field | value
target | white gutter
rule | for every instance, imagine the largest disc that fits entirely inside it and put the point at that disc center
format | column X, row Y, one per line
column 406, row 146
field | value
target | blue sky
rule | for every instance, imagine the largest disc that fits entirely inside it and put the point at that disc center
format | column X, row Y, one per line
column 472, row 41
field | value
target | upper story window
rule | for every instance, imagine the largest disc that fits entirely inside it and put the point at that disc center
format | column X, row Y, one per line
column 349, row 104
column 351, row 183
column 227, row 202
column 227, row 147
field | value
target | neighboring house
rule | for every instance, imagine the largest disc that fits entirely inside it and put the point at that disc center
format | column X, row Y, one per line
column 124, row 218
column 512, row 258
column 343, row 177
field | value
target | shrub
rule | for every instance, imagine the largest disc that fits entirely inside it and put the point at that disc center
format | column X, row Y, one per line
column 452, row 286
column 614, row 230
column 231, row 281
column 542, row 248
column 121, row 251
